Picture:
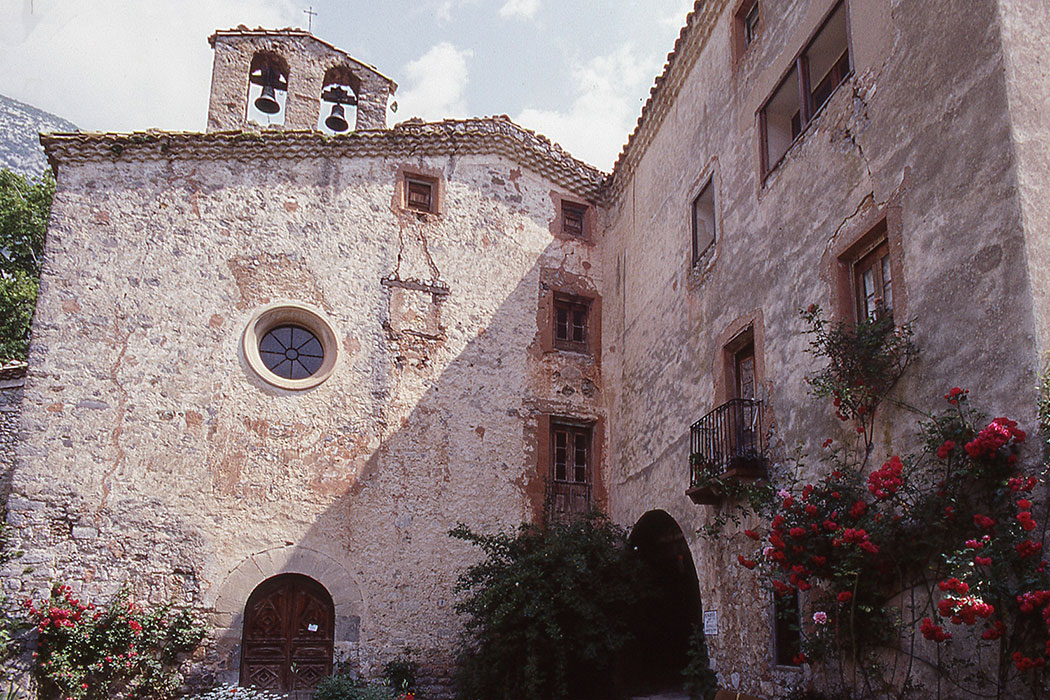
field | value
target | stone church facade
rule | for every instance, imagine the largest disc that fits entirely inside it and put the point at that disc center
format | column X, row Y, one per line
column 272, row 362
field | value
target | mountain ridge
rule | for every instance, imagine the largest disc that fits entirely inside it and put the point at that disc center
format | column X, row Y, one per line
column 20, row 127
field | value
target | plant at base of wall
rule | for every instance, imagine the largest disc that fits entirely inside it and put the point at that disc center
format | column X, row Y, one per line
column 700, row 681
column 898, row 564
column 539, row 625
column 121, row 650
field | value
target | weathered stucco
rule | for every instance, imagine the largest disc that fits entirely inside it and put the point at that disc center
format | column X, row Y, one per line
column 152, row 453
column 156, row 456
column 921, row 136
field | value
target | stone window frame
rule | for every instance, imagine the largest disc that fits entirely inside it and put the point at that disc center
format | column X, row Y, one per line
column 573, row 291
column 590, row 218
column 808, row 112
column 282, row 313
column 740, row 40
column 571, row 304
column 872, row 226
column 745, row 330
column 538, row 486
column 699, row 257
column 431, row 176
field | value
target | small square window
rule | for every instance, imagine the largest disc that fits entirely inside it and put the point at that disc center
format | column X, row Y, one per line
column 572, row 219
column 571, row 323
column 873, row 282
column 704, row 223
column 419, row 195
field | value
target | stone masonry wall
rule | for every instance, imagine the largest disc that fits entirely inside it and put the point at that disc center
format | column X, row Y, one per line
column 12, row 379
column 920, row 136
column 154, row 455
column 308, row 59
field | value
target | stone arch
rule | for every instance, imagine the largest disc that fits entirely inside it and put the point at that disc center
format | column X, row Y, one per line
column 237, row 586
column 267, row 67
column 340, row 85
column 665, row 625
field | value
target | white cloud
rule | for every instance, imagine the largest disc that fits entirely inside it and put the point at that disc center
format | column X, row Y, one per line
column 674, row 13
column 122, row 66
column 597, row 123
column 520, row 8
column 443, row 8
column 436, row 83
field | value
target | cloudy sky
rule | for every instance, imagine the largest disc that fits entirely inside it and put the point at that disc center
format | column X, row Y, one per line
column 577, row 71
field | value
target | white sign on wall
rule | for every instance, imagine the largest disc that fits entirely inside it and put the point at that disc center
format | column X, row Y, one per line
column 710, row 622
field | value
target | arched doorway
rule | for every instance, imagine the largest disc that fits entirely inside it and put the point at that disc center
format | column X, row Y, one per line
column 289, row 634
column 669, row 616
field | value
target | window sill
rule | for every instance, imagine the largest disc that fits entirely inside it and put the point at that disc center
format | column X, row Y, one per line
column 585, row 352
column 806, row 129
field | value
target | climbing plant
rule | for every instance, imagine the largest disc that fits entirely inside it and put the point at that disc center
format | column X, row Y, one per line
column 120, row 650
column 933, row 561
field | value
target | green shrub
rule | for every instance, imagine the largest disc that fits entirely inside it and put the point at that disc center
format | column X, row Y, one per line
column 24, row 208
column 700, row 680
column 400, row 674
column 546, row 612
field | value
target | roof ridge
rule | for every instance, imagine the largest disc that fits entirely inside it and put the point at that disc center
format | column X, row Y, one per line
column 687, row 47
column 496, row 134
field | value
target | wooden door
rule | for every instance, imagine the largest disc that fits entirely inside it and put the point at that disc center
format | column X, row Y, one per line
column 745, row 373
column 744, row 416
column 289, row 635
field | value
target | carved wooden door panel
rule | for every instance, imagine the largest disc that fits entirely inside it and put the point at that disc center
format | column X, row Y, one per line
column 289, row 635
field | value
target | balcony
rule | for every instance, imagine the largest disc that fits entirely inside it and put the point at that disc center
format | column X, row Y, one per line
column 729, row 443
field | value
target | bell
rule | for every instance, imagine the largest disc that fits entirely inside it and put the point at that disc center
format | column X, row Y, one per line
column 266, row 103
column 336, row 121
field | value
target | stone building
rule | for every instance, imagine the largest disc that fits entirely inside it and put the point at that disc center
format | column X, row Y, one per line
column 273, row 364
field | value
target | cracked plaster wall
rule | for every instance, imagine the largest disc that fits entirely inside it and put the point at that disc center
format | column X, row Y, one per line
column 921, row 132
column 154, row 456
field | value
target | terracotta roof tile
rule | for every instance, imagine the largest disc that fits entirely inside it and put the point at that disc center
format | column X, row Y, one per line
column 699, row 24
column 487, row 135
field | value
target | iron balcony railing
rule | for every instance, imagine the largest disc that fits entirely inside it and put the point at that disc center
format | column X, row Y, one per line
column 729, row 440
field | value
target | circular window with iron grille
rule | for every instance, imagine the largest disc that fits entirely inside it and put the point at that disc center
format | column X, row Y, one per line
column 291, row 346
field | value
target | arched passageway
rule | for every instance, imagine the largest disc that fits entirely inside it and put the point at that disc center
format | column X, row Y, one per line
column 289, row 635
column 668, row 617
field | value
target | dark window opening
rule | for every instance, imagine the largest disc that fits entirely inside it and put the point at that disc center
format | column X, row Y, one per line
column 572, row 219
column 570, row 322
column 291, row 352
column 818, row 71
column 704, row 221
column 750, row 23
column 570, row 469
column 419, row 195
column 873, row 282
column 787, row 638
